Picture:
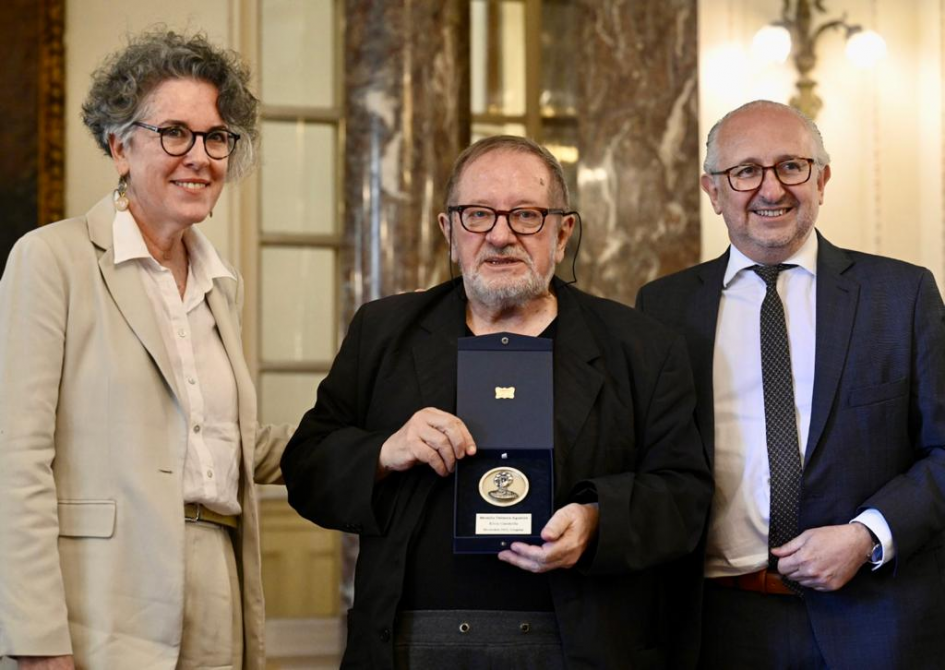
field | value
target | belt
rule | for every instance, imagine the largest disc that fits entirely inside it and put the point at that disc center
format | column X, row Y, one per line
column 197, row 512
column 763, row 581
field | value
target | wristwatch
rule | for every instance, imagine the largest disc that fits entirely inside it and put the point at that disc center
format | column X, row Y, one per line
column 876, row 553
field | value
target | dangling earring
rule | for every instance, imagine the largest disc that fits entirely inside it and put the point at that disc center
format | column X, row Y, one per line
column 121, row 195
column 211, row 213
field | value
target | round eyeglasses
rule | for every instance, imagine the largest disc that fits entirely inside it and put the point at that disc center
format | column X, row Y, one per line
column 178, row 140
column 522, row 220
column 749, row 176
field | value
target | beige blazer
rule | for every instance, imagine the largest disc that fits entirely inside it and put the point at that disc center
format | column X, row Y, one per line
column 92, row 440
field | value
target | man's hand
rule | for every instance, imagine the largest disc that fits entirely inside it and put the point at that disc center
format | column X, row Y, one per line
column 432, row 436
column 566, row 536
column 45, row 663
column 826, row 558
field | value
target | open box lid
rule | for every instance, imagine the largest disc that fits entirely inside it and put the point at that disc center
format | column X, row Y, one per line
column 505, row 394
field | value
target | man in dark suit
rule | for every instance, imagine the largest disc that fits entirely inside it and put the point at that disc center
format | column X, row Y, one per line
column 376, row 453
column 820, row 375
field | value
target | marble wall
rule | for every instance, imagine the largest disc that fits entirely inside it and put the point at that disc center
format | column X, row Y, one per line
column 619, row 82
column 407, row 117
column 638, row 137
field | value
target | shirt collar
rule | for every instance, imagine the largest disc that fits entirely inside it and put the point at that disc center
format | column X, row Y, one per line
column 129, row 244
column 127, row 241
column 204, row 258
column 805, row 257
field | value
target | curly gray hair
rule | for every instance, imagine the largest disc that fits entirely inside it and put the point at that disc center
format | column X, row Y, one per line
column 122, row 84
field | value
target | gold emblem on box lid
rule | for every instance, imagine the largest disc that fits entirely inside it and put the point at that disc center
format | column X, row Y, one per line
column 503, row 487
column 505, row 393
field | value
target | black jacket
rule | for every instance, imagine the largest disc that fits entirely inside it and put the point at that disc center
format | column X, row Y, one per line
column 624, row 428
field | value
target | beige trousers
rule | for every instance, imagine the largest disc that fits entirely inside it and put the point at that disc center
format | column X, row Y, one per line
column 213, row 614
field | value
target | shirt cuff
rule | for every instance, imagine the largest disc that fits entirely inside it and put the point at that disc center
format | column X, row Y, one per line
column 874, row 520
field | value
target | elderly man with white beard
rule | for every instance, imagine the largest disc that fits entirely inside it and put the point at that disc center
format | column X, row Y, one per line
column 631, row 483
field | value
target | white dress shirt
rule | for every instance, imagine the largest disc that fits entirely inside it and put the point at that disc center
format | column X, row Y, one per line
column 738, row 523
column 201, row 367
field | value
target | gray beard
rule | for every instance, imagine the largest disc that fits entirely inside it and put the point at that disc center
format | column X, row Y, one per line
column 507, row 296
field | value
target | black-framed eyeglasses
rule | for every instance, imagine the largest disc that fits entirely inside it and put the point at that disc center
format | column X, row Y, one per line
column 522, row 220
column 749, row 176
column 178, row 140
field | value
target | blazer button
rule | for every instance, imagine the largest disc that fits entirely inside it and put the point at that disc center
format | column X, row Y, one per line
column 385, row 635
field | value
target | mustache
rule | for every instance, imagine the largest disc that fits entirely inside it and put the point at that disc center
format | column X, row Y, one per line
column 761, row 202
column 491, row 253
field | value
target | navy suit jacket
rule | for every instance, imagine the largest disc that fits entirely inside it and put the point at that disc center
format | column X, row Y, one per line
column 877, row 439
column 624, row 429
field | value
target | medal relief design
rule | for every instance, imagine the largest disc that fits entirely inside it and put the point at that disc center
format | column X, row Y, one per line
column 503, row 487
column 505, row 393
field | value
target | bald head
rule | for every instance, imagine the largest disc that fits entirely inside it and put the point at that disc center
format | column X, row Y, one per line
column 775, row 112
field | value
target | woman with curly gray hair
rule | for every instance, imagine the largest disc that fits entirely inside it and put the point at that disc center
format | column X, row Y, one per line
column 129, row 445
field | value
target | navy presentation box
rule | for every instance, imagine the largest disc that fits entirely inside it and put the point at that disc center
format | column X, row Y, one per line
column 505, row 396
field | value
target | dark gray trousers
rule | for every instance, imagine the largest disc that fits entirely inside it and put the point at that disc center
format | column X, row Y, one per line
column 742, row 630
column 477, row 640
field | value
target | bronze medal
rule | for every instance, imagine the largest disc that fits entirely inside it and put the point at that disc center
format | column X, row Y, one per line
column 503, row 487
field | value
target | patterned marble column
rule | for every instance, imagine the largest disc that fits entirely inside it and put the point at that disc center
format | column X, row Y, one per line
column 407, row 117
column 637, row 110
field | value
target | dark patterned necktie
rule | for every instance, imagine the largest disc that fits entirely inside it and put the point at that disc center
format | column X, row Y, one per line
column 784, row 458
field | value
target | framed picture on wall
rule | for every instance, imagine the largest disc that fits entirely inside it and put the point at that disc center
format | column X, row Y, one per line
column 32, row 134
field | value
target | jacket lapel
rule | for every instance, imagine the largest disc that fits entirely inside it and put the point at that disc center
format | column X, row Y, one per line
column 219, row 300
column 837, row 298
column 703, row 320
column 219, row 307
column 435, row 357
column 577, row 382
column 124, row 285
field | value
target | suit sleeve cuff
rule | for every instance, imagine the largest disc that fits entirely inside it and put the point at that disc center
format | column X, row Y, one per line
column 874, row 520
